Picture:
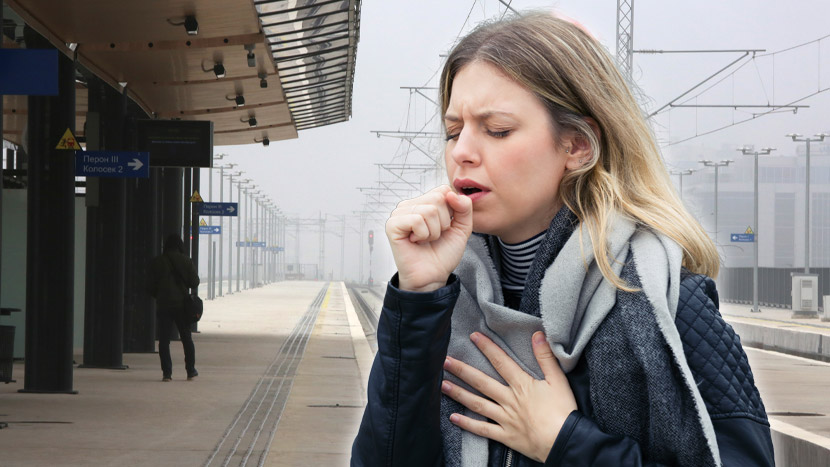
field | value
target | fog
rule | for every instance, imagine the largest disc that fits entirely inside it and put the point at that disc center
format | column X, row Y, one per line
column 401, row 43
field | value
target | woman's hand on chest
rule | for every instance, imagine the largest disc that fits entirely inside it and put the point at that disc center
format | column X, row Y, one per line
column 528, row 412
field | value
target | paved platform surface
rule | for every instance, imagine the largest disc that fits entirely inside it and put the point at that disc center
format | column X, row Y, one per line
column 131, row 418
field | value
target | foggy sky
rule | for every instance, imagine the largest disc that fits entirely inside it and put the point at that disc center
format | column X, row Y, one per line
column 401, row 43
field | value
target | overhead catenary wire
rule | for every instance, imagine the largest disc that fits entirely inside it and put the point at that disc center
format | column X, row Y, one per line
column 772, row 105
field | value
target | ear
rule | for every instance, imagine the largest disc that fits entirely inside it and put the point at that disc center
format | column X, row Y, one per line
column 579, row 147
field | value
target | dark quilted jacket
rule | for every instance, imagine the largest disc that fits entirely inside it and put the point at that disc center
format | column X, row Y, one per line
column 400, row 424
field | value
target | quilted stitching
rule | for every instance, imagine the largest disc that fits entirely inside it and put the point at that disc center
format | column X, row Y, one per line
column 713, row 350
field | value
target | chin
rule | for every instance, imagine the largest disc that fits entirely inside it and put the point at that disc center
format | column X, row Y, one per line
column 481, row 226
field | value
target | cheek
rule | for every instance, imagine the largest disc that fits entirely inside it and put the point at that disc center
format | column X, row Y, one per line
column 449, row 164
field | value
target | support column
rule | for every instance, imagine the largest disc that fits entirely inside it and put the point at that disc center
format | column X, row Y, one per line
column 50, row 248
column 143, row 244
column 194, row 221
column 187, row 221
column 106, row 235
column 171, row 205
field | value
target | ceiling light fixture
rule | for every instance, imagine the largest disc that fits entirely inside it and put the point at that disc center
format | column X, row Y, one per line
column 251, row 56
column 219, row 70
column 239, row 99
column 265, row 141
column 262, row 81
column 191, row 25
column 251, row 121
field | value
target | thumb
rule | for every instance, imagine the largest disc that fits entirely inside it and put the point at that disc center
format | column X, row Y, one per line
column 544, row 355
column 462, row 217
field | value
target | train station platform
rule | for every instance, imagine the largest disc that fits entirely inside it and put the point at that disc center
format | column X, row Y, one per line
column 282, row 381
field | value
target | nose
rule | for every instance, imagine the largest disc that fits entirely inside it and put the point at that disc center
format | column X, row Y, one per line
column 465, row 151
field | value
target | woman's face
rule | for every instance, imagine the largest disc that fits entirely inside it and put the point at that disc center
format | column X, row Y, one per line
column 501, row 153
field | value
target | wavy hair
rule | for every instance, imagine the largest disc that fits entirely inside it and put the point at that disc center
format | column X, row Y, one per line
column 577, row 81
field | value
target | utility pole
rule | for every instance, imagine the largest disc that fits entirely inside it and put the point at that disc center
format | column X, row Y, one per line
column 681, row 174
column 750, row 150
column 798, row 139
column 716, row 165
column 625, row 37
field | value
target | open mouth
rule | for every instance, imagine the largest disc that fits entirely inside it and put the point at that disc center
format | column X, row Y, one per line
column 470, row 190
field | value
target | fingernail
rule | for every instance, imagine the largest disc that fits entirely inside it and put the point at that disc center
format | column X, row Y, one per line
column 474, row 337
column 454, row 418
column 447, row 363
column 446, row 387
column 538, row 337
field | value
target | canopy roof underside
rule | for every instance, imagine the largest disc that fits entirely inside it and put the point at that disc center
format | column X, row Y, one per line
column 300, row 75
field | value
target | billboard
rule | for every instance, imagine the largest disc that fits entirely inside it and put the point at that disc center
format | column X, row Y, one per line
column 177, row 143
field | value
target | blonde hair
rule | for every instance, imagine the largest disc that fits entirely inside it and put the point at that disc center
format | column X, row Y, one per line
column 577, row 81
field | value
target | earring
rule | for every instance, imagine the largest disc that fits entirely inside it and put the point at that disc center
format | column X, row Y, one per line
column 567, row 150
column 582, row 161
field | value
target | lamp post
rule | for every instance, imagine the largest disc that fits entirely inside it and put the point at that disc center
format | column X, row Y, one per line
column 221, row 219
column 249, row 230
column 750, row 150
column 716, row 165
column 681, row 173
column 239, row 226
column 211, row 259
column 798, row 139
column 230, row 230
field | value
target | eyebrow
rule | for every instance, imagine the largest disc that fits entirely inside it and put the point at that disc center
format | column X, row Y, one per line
column 481, row 116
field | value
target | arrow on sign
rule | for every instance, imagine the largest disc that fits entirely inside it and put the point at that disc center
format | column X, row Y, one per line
column 231, row 209
column 135, row 164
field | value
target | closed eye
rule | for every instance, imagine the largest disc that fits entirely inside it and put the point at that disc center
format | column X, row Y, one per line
column 452, row 136
column 498, row 134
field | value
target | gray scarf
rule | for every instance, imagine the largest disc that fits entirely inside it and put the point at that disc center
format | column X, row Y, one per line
column 574, row 301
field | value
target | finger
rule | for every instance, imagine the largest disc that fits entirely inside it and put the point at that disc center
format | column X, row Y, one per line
column 473, row 402
column 502, row 363
column 410, row 226
column 432, row 218
column 544, row 356
column 477, row 379
column 478, row 427
column 462, row 215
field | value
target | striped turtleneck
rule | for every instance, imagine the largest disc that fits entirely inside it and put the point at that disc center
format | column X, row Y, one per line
column 516, row 259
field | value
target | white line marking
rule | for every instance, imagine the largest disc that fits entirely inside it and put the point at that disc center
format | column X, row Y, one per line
column 795, row 357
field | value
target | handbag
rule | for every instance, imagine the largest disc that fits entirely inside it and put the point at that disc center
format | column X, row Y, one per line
column 193, row 306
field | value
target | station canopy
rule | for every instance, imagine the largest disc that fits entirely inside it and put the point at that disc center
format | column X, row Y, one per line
column 262, row 69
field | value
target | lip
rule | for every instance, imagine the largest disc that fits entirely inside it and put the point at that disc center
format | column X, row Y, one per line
column 460, row 183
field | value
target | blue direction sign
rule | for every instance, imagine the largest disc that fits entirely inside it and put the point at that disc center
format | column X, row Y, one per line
column 117, row 164
column 32, row 72
column 275, row 249
column 743, row 237
column 251, row 244
column 219, row 209
column 210, row 229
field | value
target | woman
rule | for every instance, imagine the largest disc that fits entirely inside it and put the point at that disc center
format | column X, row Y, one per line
column 577, row 325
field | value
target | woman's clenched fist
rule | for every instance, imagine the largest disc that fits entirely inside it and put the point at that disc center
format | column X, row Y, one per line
column 428, row 235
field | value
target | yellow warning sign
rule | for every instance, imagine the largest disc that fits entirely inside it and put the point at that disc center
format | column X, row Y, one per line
column 196, row 198
column 202, row 222
column 749, row 230
column 68, row 141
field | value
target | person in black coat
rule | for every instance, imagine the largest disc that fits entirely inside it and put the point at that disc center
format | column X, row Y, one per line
column 171, row 276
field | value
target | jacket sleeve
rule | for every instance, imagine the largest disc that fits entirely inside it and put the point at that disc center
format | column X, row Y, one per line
column 740, row 422
column 401, row 421
column 192, row 275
